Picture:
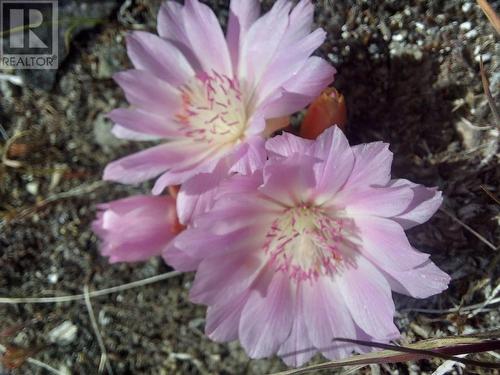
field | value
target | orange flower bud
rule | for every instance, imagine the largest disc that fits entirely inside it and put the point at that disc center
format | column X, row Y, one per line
column 326, row 110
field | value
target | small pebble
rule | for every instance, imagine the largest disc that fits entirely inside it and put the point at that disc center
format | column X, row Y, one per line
column 63, row 334
column 53, row 278
column 398, row 37
column 466, row 26
column 466, row 7
column 32, row 188
column 471, row 34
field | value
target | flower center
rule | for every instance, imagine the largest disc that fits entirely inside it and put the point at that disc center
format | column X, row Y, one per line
column 212, row 110
column 305, row 242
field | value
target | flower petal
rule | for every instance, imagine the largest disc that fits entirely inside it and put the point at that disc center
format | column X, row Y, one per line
column 242, row 14
column 158, row 56
column 221, row 278
column 249, row 156
column 206, row 38
column 171, row 27
column 420, row 282
column 380, row 201
column 287, row 64
column 142, row 121
column 290, row 181
column 426, row 201
column 367, row 294
column 123, row 133
column 372, row 164
column 223, row 319
column 149, row 92
column 287, row 144
column 266, row 319
column 298, row 348
column 178, row 259
column 260, row 43
column 327, row 317
column 385, row 243
column 145, row 164
column 135, row 228
column 338, row 160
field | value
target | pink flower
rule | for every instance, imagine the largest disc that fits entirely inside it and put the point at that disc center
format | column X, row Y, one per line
column 136, row 228
column 208, row 96
column 308, row 248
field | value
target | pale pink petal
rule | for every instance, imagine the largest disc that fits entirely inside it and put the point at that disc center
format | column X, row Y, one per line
column 149, row 92
column 298, row 348
column 201, row 160
column 266, row 319
column 197, row 194
column 195, row 242
column 301, row 22
column 219, row 279
column 290, row 181
column 206, row 38
column 249, row 156
column 171, row 27
column 223, row 319
column 338, row 161
column 146, row 164
column 372, row 164
column 302, row 89
column 421, row 282
column 367, row 295
column 123, row 133
column 178, row 259
column 380, row 201
column 288, row 144
column 385, row 243
column 288, row 63
column 260, row 43
column 314, row 76
column 136, row 228
column 151, row 53
column 237, row 186
column 242, row 14
column 426, row 201
column 327, row 317
column 142, row 121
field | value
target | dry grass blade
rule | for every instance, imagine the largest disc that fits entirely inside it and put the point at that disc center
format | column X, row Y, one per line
column 97, row 293
column 79, row 190
column 490, row 194
column 95, row 327
column 487, row 92
column 479, row 347
column 449, row 345
column 479, row 237
column 490, row 13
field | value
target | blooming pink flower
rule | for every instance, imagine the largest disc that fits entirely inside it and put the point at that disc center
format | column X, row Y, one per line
column 136, row 228
column 308, row 248
column 209, row 96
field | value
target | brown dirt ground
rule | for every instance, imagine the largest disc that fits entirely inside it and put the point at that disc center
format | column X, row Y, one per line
column 410, row 74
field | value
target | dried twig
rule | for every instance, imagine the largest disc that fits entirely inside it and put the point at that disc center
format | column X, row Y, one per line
column 104, row 354
column 453, row 310
column 96, row 293
column 490, row 13
column 79, row 190
column 490, row 194
column 36, row 362
column 487, row 92
column 479, row 237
